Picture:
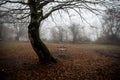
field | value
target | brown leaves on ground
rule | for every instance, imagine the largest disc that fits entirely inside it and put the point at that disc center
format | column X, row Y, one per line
column 18, row 61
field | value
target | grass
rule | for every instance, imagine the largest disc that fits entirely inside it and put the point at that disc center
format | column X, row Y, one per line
column 18, row 61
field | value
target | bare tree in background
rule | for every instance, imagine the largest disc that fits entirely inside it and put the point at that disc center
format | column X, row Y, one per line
column 111, row 25
column 20, row 30
column 75, row 32
column 54, row 35
column 78, row 35
column 1, row 28
column 61, row 33
column 58, row 34
column 39, row 10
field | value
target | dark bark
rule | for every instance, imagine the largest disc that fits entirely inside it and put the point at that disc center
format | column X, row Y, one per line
column 38, row 46
column 33, row 31
column 1, row 29
column 17, row 37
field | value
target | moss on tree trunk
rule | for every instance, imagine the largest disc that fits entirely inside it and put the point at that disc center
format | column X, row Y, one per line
column 37, row 44
column 33, row 32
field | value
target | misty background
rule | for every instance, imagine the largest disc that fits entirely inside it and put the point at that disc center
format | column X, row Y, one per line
column 70, row 27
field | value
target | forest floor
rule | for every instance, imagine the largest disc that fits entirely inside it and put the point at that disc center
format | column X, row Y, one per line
column 18, row 61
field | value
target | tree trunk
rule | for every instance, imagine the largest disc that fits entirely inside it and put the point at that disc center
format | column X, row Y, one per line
column 37, row 44
column 33, row 32
column 17, row 37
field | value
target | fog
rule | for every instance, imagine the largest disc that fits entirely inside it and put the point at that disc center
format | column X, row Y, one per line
column 90, row 23
column 60, row 39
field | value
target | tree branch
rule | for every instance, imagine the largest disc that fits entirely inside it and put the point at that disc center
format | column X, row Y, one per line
column 9, row 1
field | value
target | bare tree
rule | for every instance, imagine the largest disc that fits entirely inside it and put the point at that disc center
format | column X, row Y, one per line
column 54, row 35
column 111, row 25
column 7, row 33
column 39, row 10
column 20, row 30
column 75, row 30
column 1, row 28
column 58, row 34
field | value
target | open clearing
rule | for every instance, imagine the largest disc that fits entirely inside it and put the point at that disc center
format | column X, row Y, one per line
column 18, row 61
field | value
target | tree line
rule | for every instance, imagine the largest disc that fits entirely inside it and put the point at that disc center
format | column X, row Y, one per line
column 36, row 11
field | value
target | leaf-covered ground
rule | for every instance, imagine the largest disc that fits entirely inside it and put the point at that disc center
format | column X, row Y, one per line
column 18, row 61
